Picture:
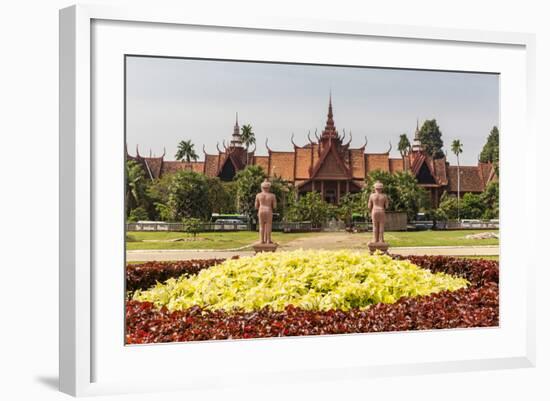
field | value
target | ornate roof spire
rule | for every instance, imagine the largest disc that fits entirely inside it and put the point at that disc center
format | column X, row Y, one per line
column 329, row 127
column 417, row 144
column 236, row 127
column 236, row 140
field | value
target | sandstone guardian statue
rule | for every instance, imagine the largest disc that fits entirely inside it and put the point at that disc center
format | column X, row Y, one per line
column 378, row 203
column 265, row 203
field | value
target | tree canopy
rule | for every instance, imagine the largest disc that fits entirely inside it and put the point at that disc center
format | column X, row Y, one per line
column 248, row 183
column 349, row 205
column 309, row 207
column 404, row 145
column 456, row 147
column 490, row 198
column 186, row 150
column 402, row 189
column 188, row 196
column 247, row 135
column 430, row 136
column 221, row 197
column 489, row 153
column 136, row 188
column 472, row 206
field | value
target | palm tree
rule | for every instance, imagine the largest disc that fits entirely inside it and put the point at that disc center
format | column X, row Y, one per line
column 456, row 148
column 186, row 150
column 403, row 146
column 135, row 186
column 247, row 137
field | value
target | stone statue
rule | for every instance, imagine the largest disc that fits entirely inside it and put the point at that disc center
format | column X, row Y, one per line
column 378, row 203
column 266, row 202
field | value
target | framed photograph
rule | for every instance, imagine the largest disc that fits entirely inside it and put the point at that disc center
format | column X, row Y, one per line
column 283, row 200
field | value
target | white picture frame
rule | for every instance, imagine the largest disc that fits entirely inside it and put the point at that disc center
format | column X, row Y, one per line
column 85, row 349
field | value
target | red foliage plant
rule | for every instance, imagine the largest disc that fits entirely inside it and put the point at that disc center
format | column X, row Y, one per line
column 477, row 271
column 145, row 275
column 475, row 306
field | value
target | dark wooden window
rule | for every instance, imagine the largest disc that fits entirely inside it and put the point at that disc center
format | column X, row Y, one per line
column 424, row 176
column 228, row 171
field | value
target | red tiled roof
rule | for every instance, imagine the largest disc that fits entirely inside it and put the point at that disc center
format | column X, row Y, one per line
column 154, row 165
column 470, row 179
column 315, row 153
column 174, row 166
column 437, row 167
column 377, row 161
column 357, row 163
column 282, row 165
column 396, row 165
column 211, row 165
column 262, row 161
column 303, row 162
column 418, row 160
column 487, row 172
column 440, row 166
column 334, row 163
column 331, row 165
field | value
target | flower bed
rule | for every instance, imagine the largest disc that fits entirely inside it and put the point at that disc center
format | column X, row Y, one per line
column 477, row 271
column 311, row 280
column 145, row 275
column 474, row 306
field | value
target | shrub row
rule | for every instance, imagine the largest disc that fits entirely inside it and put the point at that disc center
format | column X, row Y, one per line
column 145, row 275
column 477, row 271
column 469, row 307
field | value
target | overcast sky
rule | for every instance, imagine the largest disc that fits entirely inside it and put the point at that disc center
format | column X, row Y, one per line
column 173, row 99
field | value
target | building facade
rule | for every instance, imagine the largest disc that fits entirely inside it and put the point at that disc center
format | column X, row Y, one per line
column 329, row 165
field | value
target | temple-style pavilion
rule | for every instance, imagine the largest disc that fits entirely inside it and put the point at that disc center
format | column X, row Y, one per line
column 329, row 165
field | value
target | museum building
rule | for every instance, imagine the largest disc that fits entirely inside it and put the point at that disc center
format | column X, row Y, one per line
column 329, row 165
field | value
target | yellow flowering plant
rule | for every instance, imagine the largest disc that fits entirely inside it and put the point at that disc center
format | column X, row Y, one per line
column 311, row 280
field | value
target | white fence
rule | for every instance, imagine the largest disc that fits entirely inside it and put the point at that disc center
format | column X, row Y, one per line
column 473, row 224
column 394, row 223
column 162, row 226
column 468, row 224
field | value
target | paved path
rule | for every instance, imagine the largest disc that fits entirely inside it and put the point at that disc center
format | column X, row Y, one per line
column 174, row 254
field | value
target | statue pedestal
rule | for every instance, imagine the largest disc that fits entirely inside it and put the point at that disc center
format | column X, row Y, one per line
column 378, row 246
column 259, row 247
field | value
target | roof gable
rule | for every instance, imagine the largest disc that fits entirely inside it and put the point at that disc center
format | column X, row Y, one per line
column 423, row 169
column 330, row 166
column 228, row 169
column 424, row 175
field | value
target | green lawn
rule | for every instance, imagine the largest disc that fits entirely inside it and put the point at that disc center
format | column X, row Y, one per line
column 437, row 238
column 210, row 240
column 230, row 240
